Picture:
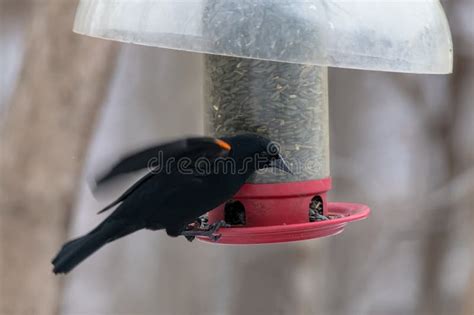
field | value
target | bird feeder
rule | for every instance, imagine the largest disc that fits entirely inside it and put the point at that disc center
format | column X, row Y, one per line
column 266, row 71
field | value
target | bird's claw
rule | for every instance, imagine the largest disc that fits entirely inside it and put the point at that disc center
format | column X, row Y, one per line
column 190, row 238
column 209, row 232
column 214, row 227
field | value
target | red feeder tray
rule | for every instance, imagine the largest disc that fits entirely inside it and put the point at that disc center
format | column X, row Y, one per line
column 276, row 213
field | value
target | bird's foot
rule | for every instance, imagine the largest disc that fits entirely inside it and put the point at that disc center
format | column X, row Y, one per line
column 210, row 232
column 190, row 238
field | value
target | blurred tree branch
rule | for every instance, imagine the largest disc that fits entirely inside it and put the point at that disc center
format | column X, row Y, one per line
column 44, row 138
column 438, row 241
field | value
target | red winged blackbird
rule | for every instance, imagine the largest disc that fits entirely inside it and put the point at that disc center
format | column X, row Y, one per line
column 173, row 197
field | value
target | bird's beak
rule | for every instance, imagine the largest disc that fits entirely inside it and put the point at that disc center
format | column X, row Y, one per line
column 281, row 164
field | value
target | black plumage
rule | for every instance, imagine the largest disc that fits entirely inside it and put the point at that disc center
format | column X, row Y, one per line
column 174, row 198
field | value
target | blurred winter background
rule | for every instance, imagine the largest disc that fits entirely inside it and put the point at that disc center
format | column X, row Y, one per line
column 69, row 105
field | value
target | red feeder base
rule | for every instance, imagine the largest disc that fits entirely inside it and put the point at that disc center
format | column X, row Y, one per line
column 344, row 213
column 277, row 213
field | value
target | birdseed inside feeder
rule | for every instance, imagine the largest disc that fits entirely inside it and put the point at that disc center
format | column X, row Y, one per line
column 266, row 71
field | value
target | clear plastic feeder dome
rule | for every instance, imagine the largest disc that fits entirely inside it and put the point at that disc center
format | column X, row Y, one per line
column 392, row 35
column 266, row 72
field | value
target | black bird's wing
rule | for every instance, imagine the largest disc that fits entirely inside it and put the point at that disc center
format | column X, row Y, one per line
column 127, row 193
column 190, row 147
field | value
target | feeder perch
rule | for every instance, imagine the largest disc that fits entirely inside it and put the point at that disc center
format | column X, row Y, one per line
column 266, row 72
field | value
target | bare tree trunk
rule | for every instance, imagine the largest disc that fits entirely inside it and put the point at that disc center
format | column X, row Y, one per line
column 43, row 144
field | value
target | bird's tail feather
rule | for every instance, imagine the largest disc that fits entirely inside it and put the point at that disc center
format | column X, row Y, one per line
column 74, row 252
